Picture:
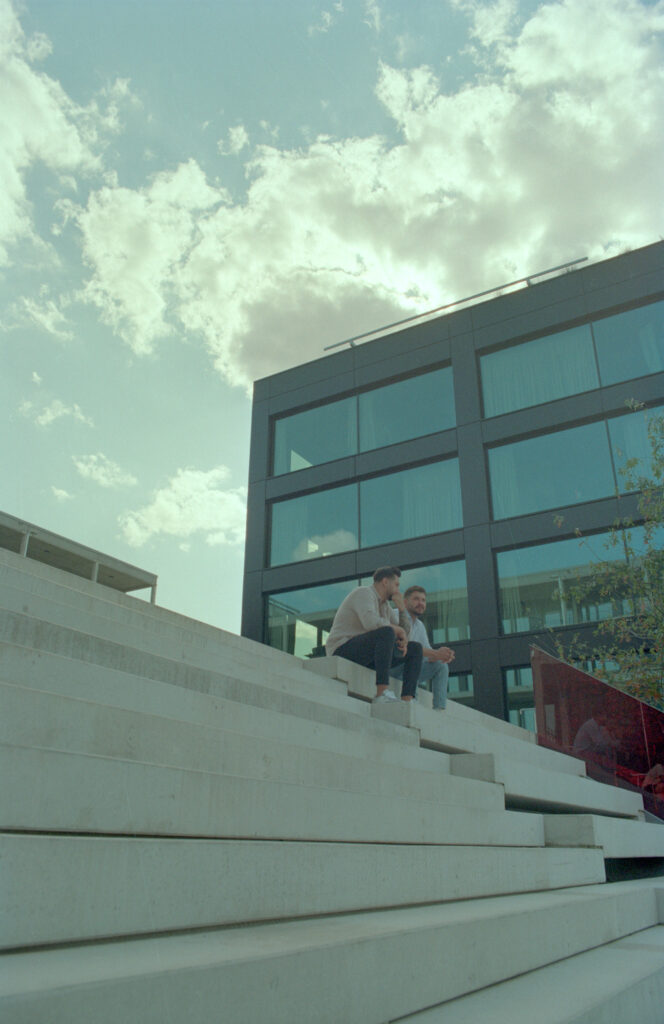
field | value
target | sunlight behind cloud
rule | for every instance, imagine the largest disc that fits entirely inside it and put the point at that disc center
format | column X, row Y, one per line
column 550, row 155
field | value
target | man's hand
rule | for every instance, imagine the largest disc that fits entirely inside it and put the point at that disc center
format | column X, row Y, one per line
column 397, row 601
column 444, row 654
column 401, row 638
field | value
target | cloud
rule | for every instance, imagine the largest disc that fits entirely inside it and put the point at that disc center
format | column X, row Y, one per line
column 192, row 502
column 56, row 410
column 41, row 312
column 103, row 471
column 238, row 139
column 327, row 19
column 372, row 15
column 134, row 240
column 60, row 495
column 553, row 152
column 40, row 124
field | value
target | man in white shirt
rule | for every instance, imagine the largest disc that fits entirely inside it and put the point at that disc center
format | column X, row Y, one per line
column 436, row 660
column 368, row 631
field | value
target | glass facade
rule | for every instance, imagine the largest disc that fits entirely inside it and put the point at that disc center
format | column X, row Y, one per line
column 534, row 584
column 630, row 344
column 314, row 525
column 551, row 470
column 626, row 345
column 317, row 435
column 400, row 411
column 538, row 371
column 412, row 503
column 629, row 441
column 520, row 700
column 407, row 409
column 298, row 621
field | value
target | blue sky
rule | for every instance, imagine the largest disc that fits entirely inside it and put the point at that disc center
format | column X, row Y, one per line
column 197, row 194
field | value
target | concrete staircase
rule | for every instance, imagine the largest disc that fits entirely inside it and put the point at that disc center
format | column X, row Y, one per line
column 196, row 827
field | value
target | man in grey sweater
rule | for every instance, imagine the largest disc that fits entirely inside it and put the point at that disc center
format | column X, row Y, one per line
column 368, row 631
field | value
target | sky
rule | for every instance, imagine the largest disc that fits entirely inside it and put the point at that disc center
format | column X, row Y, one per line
column 195, row 194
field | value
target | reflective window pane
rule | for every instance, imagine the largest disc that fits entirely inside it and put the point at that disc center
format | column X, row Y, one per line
column 629, row 440
column 318, row 435
column 564, row 468
column 409, row 408
column 535, row 584
column 299, row 621
column 314, row 525
column 538, row 371
column 630, row 344
column 460, row 688
column 412, row 503
column 520, row 700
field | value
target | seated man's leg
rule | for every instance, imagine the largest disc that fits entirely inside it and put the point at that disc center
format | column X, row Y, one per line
column 438, row 672
column 411, row 670
column 373, row 650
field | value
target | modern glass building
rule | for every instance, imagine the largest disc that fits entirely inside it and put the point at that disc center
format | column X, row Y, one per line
column 467, row 449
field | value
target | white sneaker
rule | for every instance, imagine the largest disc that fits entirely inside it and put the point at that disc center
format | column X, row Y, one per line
column 385, row 698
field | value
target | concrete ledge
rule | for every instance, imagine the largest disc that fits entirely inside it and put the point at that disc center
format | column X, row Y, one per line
column 62, row 792
column 616, row 838
column 620, row 983
column 98, row 887
column 535, row 789
column 456, row 735
column 45, row 721
column 335, row 967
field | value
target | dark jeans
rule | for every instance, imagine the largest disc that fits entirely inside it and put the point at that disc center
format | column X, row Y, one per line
column 377, row 649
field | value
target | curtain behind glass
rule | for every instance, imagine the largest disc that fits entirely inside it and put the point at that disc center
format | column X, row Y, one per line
column 538, row 371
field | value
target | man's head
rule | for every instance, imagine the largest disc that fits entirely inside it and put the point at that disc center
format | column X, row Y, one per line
column 415, row 599
column 386, row 581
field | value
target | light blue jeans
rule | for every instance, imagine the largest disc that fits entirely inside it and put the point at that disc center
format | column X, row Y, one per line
column 436, row 671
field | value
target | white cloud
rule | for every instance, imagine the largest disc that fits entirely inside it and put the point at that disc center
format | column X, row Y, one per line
column 372, row 15
column 238, row 139
column 40, row 124
column 192, row 502
column 61, row 495
column 55, row 410
column 552, row 153
column 41, row 312
column 134, row 240
column 327, row 19
column 103, row 471
column 36, row 379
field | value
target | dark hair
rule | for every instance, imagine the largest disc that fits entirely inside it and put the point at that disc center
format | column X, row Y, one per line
column 415, row 589
column 387, row 572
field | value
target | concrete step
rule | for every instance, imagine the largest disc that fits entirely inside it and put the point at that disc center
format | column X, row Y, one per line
column 619, row 983
column 539, row 790
column 359, row 681
column 56, row 791
column 152, row 632
column 32, row 577
column 32, row 718
column 97, row 887
column 166, row 658
column 351, row 733
column 355, row 968
column 616, row 838
column 465, row 733
column 309, row 698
